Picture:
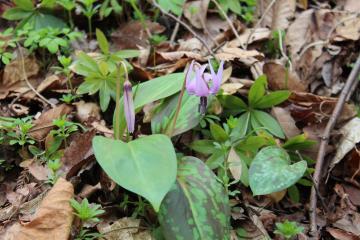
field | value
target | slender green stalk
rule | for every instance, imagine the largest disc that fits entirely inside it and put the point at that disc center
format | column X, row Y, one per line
column 90, row 27
column 70, row 19
column 178, row 107
column 117, row 133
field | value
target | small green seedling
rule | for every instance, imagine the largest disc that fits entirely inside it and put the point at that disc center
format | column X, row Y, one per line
column 68, row 98
column 85, row 211
column 288, row 229
column 85, row 234
column 65, row 70
column 64, row 128
column 20, row 135
column 89, row 10
column 54, row 166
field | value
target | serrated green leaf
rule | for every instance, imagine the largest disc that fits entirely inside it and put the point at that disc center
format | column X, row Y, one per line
column 197, row 206
column 270, row 171
column 102, row 41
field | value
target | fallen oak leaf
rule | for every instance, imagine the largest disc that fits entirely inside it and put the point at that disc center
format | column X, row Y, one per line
column 52, row 220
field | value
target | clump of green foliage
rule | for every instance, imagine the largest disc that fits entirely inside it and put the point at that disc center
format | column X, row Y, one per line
column 288, row 229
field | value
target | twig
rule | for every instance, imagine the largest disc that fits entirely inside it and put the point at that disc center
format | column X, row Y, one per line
column 324, row 142
column 27, row 80
column 259, row 22
column 174, row 33
column 229, row 22
column 185, row 26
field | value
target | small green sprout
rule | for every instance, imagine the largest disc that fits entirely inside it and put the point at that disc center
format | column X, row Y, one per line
column 85, row 211
column 288, row 229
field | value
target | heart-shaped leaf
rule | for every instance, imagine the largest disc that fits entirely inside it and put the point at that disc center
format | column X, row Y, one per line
column 146, row 166
column 270, row 171
column 197, row 206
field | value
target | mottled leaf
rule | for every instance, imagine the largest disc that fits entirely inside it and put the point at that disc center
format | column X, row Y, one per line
column 197, row 205
column 270, row 171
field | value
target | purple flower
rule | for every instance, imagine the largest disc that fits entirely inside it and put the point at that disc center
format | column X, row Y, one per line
column 203, row 84
column 129, row 107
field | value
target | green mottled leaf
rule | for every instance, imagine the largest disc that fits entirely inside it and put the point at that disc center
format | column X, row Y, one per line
column 197, row 206
column 145, row 166
column 188, row 117
column 270, row 171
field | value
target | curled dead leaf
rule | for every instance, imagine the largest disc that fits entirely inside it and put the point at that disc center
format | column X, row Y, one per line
column 13, row 71
column 53, row 219
column 43, row 125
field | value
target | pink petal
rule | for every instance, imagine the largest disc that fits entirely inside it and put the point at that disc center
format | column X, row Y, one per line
column 190, row 86
column 216, row 78
column 202, row 88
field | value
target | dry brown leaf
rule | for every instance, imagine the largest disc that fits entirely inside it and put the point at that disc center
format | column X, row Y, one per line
column 86, row 110
column 341, row 235
column 235, row 165
column 309, row 108
column 350, row 137
column 195, row 12
column 285, row 120
column 251, row 35
column 46, row 83
column 352, row 6
column 349, row 223
column 43, row 125
column 231, row 88
column 132, row 34
column 124, row 229
column 248, row 57
column 349, row 29
column 13, row 72
column 36, row 169
column 52, row 220
column 76, row 155
column 279, row 15
column 280, row 78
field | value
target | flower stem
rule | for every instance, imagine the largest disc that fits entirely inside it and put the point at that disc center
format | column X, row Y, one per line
column 90, row 27
column 117, row 133
column 178, row 107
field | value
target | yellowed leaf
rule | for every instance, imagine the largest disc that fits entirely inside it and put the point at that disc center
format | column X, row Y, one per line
column 235, row 165
column 52, row 220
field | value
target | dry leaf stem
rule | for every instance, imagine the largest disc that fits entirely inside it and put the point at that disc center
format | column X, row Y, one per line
column 185, row 26
column 324, row 142
column 27, row 80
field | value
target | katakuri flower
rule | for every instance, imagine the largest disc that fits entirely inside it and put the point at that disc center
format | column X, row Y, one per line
column 129, row 109
column 203, row 84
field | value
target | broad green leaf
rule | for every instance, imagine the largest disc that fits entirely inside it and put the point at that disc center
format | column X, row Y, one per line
column 16, row 13
column 197, row 206
column 104, row 95
column 174, row 6
column 241, row 127
column 272, row 99
column 218, row 133
column 267, row 121
column 257, row 90
column 252, row 143
column 203, row 146
column 299, row 142
column 102, row 41
column 153, row 90
column 26, row 5
column 294, row 194
column 127, row 53
column 139, row 166
column 271, row 171
column 216, row 159
column 40, row 20
column 188, row 117
column 233, row 103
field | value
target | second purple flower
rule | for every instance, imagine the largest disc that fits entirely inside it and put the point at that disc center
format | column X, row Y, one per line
column 203, row 84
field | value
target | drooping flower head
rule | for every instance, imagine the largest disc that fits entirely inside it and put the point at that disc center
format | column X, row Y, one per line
column 203, row 84
column 129, row 109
